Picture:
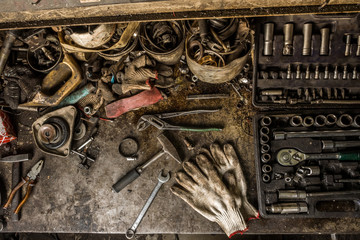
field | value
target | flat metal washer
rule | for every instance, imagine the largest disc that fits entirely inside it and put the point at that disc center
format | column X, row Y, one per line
column 128, row 147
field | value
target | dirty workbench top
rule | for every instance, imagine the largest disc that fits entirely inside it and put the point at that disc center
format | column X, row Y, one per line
column 69, row 199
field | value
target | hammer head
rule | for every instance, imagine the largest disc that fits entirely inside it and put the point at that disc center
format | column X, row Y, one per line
column 168, row 147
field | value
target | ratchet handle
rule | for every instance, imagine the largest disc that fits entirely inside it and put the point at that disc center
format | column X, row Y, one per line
column 349, row 156
column 126, row 180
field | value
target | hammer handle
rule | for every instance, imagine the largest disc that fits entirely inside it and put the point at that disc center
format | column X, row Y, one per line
column 126, row 180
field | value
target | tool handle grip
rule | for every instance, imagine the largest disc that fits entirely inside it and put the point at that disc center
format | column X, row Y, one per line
column 349, row 156
column 126, row 180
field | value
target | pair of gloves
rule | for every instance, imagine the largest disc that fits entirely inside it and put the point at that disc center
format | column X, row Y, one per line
column 214, row 186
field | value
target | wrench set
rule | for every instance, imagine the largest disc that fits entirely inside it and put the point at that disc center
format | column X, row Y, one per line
column 307, row 61
column 308, row 163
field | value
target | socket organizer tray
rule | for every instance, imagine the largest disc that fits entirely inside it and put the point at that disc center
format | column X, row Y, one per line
column 307, row 61
column 308, row 163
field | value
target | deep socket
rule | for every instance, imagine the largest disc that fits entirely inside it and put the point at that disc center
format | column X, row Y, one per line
column 307, row 32
column 298, row 72
column 325, row 39
column 358, row 46
column 288, row 39
column 345, row 72
column 326, row 72
column 268, row 39
column 347, row 45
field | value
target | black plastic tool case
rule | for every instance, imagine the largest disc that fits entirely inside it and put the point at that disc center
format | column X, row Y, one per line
column 318, row 207
column 272, row 72
column 343, row 88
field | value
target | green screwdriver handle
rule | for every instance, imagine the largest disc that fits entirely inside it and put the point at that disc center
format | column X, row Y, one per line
column 349, row 156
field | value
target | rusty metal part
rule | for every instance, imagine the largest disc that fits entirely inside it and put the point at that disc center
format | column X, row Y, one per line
column 6, row 48
column 58, row 84
column 91, row 36
column 197, row 53
column 208, row 60
column 165, row 56
column 44, row 51
column 212, row 74
column 60, row 144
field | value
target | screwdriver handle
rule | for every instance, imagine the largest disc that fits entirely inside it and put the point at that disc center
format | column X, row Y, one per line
column 349, row 156
column 126, row 180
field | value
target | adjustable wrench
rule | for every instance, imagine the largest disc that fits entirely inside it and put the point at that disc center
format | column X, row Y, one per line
column 130, row 233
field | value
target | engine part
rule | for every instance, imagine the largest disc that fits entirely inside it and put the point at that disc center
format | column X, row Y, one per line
column 265, row 121
column 327, row 133
column 296, row 121
column 320, row 121
column 308, row 121
column 266, row 178
column 53, row 132
column 6, row 48
column 325, row 41
column 268, row 39
column 265, row 148
column 91, row 36
column 288, row 208
column 53, row 89
column 128, row 147
column 307, row 33
column 345, row 120
column 44, row 52
column 265, row 158
column 79, row 132
column 164, row 41
column 331, row 119
column 288, row 39
column 266, row 168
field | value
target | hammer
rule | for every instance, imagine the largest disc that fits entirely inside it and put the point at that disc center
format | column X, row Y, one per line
column 167, row 148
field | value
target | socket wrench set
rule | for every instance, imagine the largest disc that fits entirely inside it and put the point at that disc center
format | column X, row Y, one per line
column 308, row 163
column 307, row 61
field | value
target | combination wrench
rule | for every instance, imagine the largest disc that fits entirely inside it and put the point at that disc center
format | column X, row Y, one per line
column 130, row 233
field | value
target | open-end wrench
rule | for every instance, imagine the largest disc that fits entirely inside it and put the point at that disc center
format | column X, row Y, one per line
column 130, row 233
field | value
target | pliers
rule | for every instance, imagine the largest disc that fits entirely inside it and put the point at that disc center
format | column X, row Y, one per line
column 30, row 180
column 156, row 120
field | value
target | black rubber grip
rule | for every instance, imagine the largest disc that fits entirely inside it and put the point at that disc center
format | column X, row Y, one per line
column 126, row 180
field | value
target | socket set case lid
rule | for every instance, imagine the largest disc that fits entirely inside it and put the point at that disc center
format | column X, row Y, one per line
column 307, row 61
column 322, row 179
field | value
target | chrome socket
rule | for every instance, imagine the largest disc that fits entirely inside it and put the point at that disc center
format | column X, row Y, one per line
column 264, row 139
column 308, row 121
column 345, row 120
column 331, row 119
column 320, row 121
column 296, row 121
column 264, row 131
column 307, row 32
column 266, row 168
column 356, row 122
column 265, row 148
column 266, row 121
column 268, row 39
column 265, row 158
column 266, row 178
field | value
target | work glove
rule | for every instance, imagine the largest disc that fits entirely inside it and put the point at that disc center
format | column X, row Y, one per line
column 228, row 166
column 215, row 187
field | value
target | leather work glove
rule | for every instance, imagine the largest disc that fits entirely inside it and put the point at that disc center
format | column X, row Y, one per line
column 215, row 187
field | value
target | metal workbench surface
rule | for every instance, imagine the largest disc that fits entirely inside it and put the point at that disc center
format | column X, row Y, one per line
column 69, row 199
